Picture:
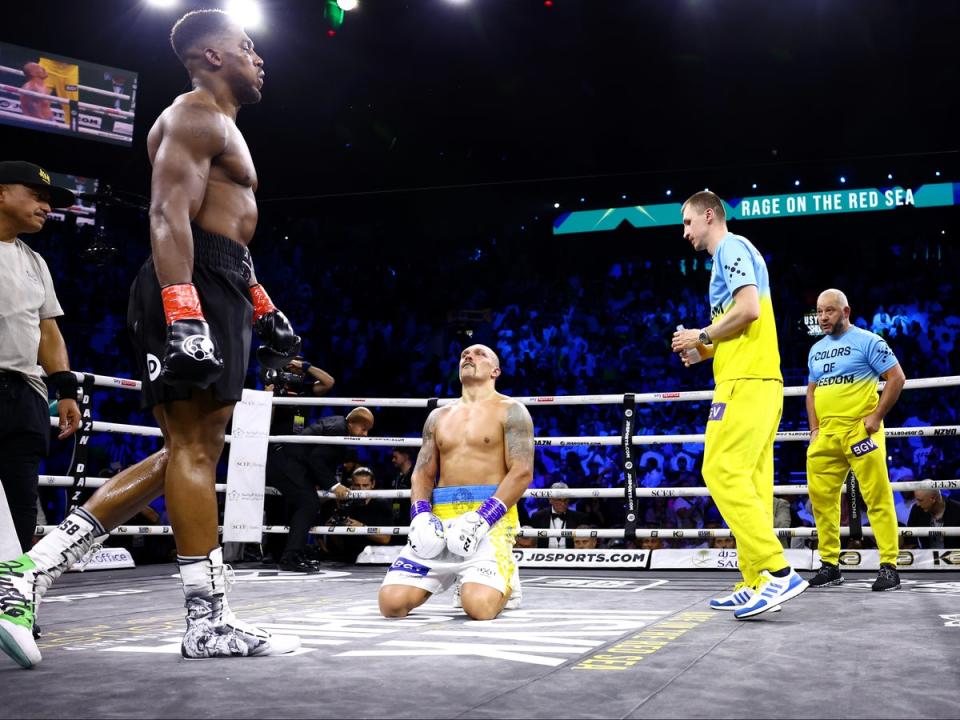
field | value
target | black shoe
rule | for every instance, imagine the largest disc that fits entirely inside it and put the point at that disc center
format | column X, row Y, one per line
column 887, row 579
column 37, row 631
column 298, row 563
column 826, row 576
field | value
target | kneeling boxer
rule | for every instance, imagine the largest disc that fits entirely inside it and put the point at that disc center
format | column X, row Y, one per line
column 482, row 448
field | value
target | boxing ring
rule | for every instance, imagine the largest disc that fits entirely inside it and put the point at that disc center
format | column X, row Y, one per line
column 68, row 114
column 626, row 639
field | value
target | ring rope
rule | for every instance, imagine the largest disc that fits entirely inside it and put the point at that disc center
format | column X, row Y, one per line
column 684, row 533
column 545, row 493
column 786, row 436
column 87, row 88
column 89, row 380
column 685, row 396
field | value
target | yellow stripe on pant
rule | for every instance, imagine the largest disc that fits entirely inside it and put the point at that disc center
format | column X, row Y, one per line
column 738, row 468
column 839, row 448
column 452, row 501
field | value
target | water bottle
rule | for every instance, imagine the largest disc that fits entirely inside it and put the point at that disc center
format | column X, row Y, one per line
column 692, row 355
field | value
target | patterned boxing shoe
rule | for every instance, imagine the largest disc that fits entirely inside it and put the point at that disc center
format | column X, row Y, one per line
column 17, row 611
column 213, row 631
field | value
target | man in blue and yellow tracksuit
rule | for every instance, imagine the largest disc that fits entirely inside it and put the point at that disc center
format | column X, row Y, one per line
column 846, row 433
column 746, row 409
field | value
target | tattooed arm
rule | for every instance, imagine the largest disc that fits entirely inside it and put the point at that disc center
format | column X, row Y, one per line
column 518, row 452
column 428, row 463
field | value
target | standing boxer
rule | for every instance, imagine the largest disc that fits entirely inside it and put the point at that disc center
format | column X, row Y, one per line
column 191, row 309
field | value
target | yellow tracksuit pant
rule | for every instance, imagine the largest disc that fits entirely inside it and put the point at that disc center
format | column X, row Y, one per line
column 842, row 446
column 738, row 468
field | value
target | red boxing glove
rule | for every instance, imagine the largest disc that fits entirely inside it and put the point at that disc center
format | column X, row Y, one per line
column 190, row 354
column 262, row 304
column 181, row 302
column 280, row 343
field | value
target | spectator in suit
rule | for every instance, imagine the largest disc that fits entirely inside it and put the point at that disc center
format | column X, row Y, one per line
column 558, row 517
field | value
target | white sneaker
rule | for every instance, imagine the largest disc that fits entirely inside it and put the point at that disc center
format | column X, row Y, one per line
column 516, row 592
column 738, row 598
column 771, row 593
column 740, row 595
column 457, row 601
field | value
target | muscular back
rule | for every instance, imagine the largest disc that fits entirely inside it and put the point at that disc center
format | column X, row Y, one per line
column 202, row 169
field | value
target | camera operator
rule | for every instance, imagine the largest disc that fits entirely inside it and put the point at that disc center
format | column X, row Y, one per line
column 403, row 460
column 298, row 379
column 298, row 470
column 359, row 513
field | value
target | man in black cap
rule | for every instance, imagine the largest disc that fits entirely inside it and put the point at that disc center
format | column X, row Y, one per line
column 28, row 334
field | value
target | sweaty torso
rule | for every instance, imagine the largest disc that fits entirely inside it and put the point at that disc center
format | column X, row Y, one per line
column 229, row 207
column 469, row 438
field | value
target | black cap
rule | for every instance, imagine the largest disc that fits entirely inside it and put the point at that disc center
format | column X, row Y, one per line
column 18, row 172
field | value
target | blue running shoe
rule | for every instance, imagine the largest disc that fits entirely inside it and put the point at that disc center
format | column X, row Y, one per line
column 771, row 593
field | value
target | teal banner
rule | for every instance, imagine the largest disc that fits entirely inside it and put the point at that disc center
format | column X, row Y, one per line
column 766, row 207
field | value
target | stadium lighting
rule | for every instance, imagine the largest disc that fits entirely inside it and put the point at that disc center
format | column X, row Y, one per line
column 347, row 5
column 246, row 12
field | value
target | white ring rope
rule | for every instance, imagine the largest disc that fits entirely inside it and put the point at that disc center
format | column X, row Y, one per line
column 98, row 109
column 34, row 120
column 687, row 533
column 543, row 493
column 787, row 436
column 932, row 431
column 86, row 88
column 686, row 396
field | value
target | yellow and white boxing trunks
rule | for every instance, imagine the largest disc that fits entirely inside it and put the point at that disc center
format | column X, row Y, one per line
column 493, row 564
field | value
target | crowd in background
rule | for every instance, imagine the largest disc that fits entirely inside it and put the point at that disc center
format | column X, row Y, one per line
column 393, row 324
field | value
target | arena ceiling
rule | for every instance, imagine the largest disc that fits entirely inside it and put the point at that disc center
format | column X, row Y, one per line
column 426, row 93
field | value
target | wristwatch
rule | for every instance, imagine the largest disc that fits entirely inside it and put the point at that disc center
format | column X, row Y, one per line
column 704, row 338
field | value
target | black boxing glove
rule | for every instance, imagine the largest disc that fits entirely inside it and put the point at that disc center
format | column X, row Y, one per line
column 190, row 355
column 280, row 343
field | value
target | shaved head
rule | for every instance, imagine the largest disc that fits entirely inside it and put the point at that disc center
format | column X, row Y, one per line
column 837, row 297
column 493, row 355
column 479, row 362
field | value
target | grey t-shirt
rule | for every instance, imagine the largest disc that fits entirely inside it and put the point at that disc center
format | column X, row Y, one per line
column 26, row 297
